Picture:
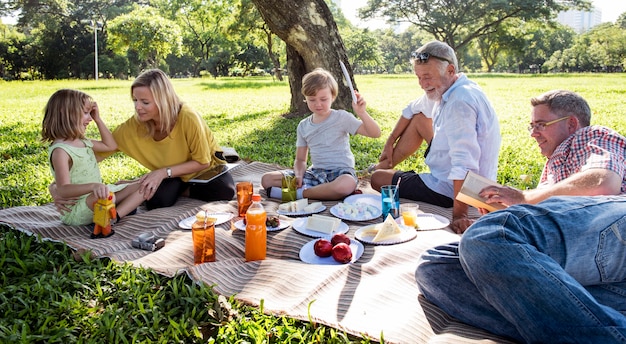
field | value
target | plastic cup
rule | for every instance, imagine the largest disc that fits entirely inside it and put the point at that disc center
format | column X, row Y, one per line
column 409, row 214
column 203, row 236
column 244, row 197
column 288, row 188
column 390, row 201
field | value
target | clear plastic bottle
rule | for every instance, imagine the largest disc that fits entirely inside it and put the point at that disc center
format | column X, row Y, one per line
column 256, row 232
column 203, row 234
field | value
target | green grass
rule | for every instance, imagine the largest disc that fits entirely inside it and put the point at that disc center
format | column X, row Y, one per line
column 47, row 296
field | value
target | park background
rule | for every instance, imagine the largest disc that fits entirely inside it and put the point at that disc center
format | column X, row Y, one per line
column 49, row 296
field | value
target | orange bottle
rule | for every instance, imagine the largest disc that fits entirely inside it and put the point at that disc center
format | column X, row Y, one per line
column 256, row 232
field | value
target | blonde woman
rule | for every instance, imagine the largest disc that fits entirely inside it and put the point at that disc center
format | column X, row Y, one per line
column 171, row 140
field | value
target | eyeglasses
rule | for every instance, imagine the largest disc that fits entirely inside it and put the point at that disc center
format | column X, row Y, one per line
column 423, row 57
column 541, row 126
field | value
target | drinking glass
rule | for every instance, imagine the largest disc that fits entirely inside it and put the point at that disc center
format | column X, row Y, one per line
column 390, row 201
column 244, row 197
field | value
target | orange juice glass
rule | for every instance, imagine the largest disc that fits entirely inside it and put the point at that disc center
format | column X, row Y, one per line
column 203, row 236
column 409, row 214
column 244, row 197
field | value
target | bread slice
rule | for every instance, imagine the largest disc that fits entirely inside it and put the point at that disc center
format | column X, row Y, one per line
column 312, row 207
column 323, row 224
column 387, row 230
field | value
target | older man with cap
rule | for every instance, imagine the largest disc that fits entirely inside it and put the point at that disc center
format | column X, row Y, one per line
column 465, row 135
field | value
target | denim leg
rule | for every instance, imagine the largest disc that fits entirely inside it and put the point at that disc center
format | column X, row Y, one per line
column 556, row 271
column 442, row 280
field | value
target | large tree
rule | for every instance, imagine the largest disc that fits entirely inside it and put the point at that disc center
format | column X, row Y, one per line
column 459, row 22
column 312, row 38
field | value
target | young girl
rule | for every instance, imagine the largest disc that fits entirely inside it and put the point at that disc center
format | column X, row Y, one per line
column 72, row 159
column 325, row 134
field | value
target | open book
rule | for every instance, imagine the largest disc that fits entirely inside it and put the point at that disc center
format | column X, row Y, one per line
column 472, row 185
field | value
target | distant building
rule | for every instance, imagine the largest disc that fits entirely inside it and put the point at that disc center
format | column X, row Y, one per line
column 580, row 21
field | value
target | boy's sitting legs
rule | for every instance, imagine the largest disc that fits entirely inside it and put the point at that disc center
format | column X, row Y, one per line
column 319, row 184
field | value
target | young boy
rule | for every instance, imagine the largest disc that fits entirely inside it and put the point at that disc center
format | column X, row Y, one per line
column 325, row 133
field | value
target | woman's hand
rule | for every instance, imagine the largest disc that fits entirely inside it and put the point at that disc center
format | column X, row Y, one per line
column 150, row 182
column 62, row 204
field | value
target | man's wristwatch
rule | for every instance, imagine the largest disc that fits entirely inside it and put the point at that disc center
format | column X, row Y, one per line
column 169, row 172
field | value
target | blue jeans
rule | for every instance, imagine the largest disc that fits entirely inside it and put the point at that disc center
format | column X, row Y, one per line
column 546, row 273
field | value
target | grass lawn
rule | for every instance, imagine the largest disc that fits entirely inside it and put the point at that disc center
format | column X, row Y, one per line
column 47, row 296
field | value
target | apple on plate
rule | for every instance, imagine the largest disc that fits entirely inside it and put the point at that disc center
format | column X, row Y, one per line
column 323, row 248
column 342, row 253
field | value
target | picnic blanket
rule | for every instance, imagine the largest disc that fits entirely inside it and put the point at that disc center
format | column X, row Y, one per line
column 376, row 296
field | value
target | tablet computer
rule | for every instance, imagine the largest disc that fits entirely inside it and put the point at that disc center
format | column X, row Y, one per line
column 212, row 173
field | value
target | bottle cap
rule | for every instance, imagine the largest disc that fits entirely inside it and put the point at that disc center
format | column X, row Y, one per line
column 256, row 198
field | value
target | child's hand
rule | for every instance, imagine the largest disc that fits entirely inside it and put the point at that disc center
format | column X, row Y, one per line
column 95, row 112
column 101, row 191
column 360, row 105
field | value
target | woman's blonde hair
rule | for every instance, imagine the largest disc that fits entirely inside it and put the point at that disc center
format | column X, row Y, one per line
column 317, row 80
column 165, row 97
column 62, row 115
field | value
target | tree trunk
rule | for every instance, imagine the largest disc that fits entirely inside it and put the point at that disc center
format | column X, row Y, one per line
column 310, row 32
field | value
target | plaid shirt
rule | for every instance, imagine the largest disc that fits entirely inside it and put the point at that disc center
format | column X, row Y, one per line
column 589, row 147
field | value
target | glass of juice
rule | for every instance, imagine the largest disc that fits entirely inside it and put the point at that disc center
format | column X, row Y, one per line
column 244, row 197
column 409, row 214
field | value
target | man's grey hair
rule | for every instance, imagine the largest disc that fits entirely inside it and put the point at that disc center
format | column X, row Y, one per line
column 565, row 103
column 439, row 49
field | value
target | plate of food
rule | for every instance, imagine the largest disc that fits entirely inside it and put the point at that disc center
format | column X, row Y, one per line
column 358, row 211
column 273, row 223
column 308, row 255
column 300, row 207
column 219, row 219
column 428, row 221
column 386, row 233
column 370, row 199
column 319, row 226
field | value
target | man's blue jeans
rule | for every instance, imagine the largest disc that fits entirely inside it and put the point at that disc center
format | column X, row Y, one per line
column 546, row 273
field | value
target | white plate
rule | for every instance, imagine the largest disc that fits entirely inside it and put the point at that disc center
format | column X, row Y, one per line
column 407, row 234
column 301, row 213
column 375, row 212
column 283, row 224
column 220, row 218
column 373, row 200
column 300, row 226
column 307, row 254
column 427, row 221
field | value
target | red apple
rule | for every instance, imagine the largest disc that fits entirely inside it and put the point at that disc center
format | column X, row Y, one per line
column 342, row 253
column 338, row 238
column 323, row 248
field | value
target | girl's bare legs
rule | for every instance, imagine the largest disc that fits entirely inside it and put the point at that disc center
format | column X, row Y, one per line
column 128, row 199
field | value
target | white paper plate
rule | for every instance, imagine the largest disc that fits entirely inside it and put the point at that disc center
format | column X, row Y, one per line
column 373, row 200
column 407, row 234
column 220, row 218
column 283, row 224
column 301, row 213
column 427, row 221
column 300, row 226
column 336, row 211
column 307, row 254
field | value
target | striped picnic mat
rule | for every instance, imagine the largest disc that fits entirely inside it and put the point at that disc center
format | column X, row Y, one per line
column 377, row 296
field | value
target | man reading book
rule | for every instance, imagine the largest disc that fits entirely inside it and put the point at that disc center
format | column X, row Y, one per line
column 583, row 160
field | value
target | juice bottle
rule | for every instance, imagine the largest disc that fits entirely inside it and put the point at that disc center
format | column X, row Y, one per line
column 203, row 235
column 256, row 233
